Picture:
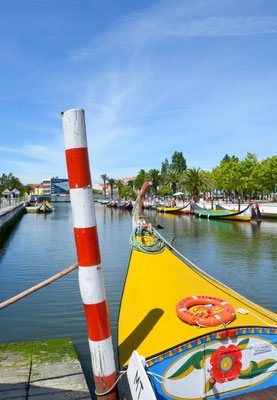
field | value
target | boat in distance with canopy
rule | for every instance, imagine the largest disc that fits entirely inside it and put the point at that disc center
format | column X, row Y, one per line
column 184, row 335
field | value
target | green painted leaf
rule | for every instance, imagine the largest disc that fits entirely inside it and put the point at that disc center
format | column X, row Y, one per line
column 243, row 344
column 262, row 369
column 193, row 361
column 257, row 369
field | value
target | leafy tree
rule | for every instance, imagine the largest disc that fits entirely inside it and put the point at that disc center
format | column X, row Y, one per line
column 11, row 182
column 165, row 170
column 128, row 193
column 112, row 183
column 119, row 186
column 130, row 183
column 227, row 176
column 105, row 178
column 266, row 175
column 178, row 162
column 227, row 158
column 154, row 176
column 140, row 179
column 209, row 184
column 28, row 188
column 165, row 191
column 173, row 179
column 248, row 168
column 195, row 180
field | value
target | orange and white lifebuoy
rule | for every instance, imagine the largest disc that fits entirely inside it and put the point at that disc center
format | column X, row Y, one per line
column 205, row 311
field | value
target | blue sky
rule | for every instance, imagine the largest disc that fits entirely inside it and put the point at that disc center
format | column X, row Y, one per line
column 197, row 76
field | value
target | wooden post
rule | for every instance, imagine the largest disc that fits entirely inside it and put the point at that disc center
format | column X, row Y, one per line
column 90, row 270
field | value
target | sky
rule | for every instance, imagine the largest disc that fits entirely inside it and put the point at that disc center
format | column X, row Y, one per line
column 154, row 77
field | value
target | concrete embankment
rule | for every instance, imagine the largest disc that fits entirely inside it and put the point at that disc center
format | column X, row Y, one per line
column 45, row 369
column 9, row 214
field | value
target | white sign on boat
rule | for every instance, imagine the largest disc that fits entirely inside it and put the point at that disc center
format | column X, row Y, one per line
column 139, row 383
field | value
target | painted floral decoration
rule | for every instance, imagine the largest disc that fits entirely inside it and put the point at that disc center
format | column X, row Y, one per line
column 226, row 363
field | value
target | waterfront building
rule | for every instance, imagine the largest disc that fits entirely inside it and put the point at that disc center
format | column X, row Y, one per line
column 55, row 185
column 37, row 189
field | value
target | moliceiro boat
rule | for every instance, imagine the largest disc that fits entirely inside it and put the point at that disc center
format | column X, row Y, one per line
column 44, row 207
column 187, row 209
column 250, row 213
column 184, row 335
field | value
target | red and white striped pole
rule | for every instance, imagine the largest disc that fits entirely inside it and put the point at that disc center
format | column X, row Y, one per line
column 90, row 270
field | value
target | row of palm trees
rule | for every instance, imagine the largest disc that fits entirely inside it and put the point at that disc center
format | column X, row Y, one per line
column 193, row 180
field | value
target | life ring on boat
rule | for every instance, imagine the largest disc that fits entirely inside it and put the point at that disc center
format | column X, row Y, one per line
column 205, row 311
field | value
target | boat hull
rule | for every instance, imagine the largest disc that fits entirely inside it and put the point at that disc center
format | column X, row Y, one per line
column 177, row 210
column 168, row 343
column 249, row 356
column 244, row 215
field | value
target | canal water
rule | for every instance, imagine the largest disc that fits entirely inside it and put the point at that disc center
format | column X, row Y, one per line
column 241, row 255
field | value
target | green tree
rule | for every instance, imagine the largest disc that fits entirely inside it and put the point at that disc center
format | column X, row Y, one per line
column 227, row 158
column 173, row 180
column 10, row 182
column 227, row 176
column 128, row 193
column 140, row 179
column 154, row 176
column 165, row 170
column 112, row 183
column 165, row 191
column 248, row 168
column 28, row 188
column 266, row 175
column 209, row 184
column 119, row 186
column 104, row 178
column 195, row 180
column 178, row 162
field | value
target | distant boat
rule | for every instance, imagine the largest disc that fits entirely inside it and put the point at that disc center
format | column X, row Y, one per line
column 103, row 201
column 111, row 204
column 187, row 209
column 184, row 335
column 247, row 215
column 45, row 207
column 127, row 206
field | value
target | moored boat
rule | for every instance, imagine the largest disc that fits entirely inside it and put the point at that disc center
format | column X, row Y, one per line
column 44, row 207
column 187, row 209
column 127, row 206
column 111, row 204
column 247, row 215
column 184, row 335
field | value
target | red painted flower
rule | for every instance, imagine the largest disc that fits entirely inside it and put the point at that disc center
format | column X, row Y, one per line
column 226, row 363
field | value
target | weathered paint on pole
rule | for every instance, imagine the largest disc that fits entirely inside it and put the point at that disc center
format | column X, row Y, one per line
column 90, row 270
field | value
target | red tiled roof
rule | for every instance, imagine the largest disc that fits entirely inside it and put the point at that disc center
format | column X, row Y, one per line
column 125, row 180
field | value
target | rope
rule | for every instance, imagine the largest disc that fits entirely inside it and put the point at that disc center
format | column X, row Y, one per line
column 121, row 373
column 146, row 241
column 154, row 375
column 267, row 323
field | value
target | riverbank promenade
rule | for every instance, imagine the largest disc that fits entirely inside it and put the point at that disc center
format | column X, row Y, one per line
column 40, row 370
